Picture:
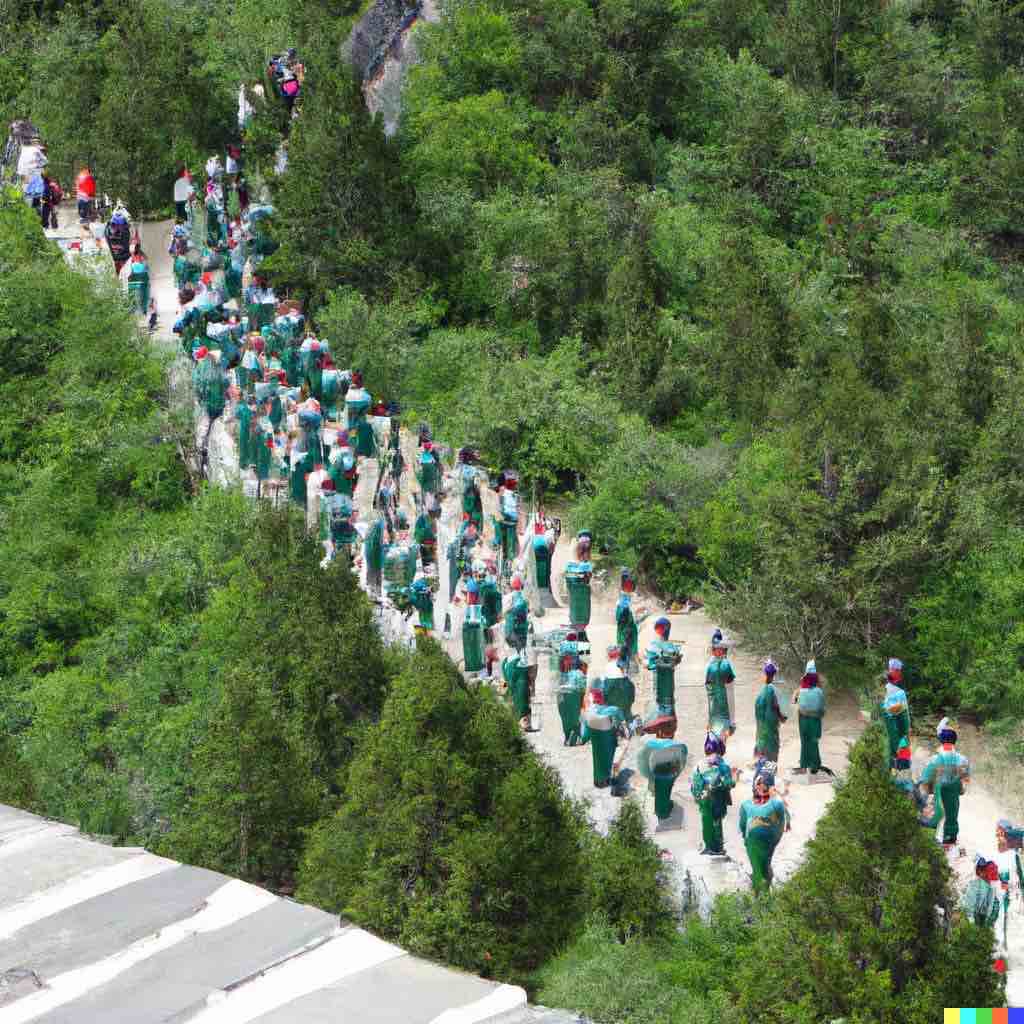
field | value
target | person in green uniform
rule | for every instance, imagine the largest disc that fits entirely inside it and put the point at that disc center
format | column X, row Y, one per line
column 506, row 523
column 208, row 383
column 569, row 695
column 979, row 903
column 490, row 598
column 517, row 617
column 577, row 583
column 263, row 435
column 945, row 777
column 718, row 677
column 895, row 708
column 424, row 533
column 810, row 701
column 422, row 597
column 543, row 548
column 357, row 406
column 661, row 762
column 244, row 414
column 473, row 639
column 515, row 672
column 768, row 716
column 601, row 729
column 297, row 470
column 138, row 281
column 662, row 657
column 763, row 819
column 470, row 478
column 618, row 688
column 711, row 786
column 627, row 630
column 342, row 468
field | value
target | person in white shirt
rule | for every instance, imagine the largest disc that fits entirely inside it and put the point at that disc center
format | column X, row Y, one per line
column 183, row 193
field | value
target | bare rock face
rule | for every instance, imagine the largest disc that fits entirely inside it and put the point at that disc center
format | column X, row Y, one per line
column 376, row 32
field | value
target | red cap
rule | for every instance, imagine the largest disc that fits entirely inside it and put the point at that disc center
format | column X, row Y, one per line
column 517, row 583
column 202, row 352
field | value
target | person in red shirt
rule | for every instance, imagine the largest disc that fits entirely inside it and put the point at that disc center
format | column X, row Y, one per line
column 85, row 186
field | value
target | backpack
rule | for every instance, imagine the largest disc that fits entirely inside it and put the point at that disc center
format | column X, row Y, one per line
column 56, row 193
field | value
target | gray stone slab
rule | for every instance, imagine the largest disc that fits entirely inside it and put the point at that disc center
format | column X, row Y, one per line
column 175, row 983
column 106, row 924
column 402, row 991
column 49, row 862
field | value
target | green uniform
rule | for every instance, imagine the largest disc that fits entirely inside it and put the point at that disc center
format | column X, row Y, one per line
column 423, row 601
column 717, row 677
column 263, row 435
column 710, row 785
column 373, row 552
column 246, row 454
column 490, row 601
column 515, row 673
column 980, row 903
column 811, row 711
column 627, row 634
column 208, row 383
column 542, row 562
column 425, row 535
column 662, row 657
column 361, row 437
column 577, row 582
column 569, row 697
column 944, row 775
column 138, row 285
column 661, row 762
column 473, row 639
column 517, row 622
column 896, row 716
column 768, row 717
column 762, row 825
column 600, row 728
column 472, row 503
column 619, row 690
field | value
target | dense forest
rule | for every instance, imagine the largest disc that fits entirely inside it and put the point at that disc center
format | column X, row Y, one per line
column 739, row 284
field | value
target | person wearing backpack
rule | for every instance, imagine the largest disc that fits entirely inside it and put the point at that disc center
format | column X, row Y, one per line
column 118, row 234
column 53, row 197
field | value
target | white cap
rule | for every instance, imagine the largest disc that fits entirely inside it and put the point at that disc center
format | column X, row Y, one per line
column 810, row 667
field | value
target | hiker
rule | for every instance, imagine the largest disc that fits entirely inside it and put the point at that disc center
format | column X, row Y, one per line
column 601, row 728
column 208, row 383
column 425, row 535
column 661, row 762
column 1009, row 841
column 184, row 193
column 245, row 414
column 85, row 192
column 506, row 524
column 515, row 672
column 569, row 694
column 517, row 617
column 260, row 303
column 421, row 596
column 473, row 638
column 577, row 582
column 627, row 633
column 52, row 198
column 429, row 476
column 314, row 488
column 945, row 777
column 810, row 700
column 543, row 549
column 490, row 598
column 216, row 224
column 763, row 819
column 357, row 405
column 333, row 386
column 342, row 468
column 718, row 680
column 118, row 234
column 895, row 708
column 979, row 902
column 902, row 773
column 373, row 544
column 469, row 478
column 661, row 658
column 618, row 688
column 711, row 784
column 337, row 520
column 138, row 280
column 768, row 716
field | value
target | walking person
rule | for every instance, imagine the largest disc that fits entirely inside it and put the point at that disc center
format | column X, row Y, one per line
column 763, row 819
column 810, row 701
column 945, row 777
column 184, row 192
column 711, row 786
column 768, row 716
column 85, row 191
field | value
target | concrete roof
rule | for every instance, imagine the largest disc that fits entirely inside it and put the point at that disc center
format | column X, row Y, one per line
column 95, row 933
